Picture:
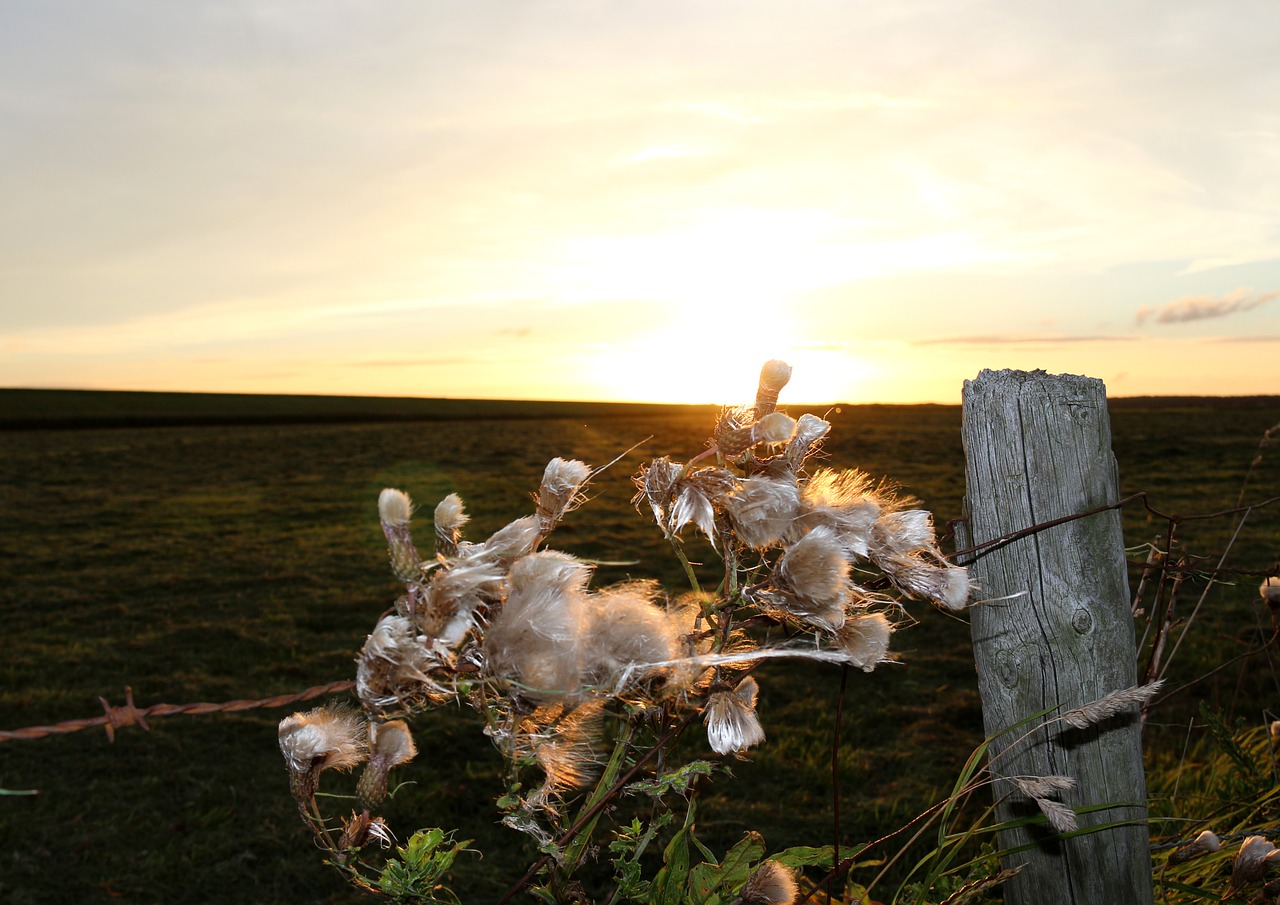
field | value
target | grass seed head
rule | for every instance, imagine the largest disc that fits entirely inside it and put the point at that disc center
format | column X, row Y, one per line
column 1110, row 705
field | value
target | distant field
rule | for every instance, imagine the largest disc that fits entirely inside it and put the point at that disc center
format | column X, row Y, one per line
column 217, row 547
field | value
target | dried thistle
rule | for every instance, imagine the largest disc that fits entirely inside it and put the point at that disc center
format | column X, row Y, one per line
column 808, row 433
column 843, row 500
column 326, row 738
column 390, row 745
column 1251, row 862
column 1110, row 705
column 732, row 724
column 450, row 516
column 864, row 640
column 561, row 491
column 394, row 511
column 770, row 884
column 762, row 510
column 1207, row 841
column 773, row 377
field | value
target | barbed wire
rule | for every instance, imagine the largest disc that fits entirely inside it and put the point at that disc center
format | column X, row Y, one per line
column 114, row 718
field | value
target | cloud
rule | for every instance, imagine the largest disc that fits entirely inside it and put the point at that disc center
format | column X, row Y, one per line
column 1015, row 340
column 1204, row 307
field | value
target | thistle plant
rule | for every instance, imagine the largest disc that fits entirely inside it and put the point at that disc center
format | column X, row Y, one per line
column 583, row 689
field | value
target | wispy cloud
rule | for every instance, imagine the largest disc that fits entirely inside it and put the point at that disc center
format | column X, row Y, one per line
column 1204, row 307
column 995, row 339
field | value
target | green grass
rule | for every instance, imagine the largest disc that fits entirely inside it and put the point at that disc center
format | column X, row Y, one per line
column 227, row 560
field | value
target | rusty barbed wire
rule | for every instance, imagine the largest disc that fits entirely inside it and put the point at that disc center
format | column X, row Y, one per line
column 114, row 718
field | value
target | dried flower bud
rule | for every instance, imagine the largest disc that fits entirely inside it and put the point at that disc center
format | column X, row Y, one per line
column 394, row 510
column 809, row 430
column 773, row 377
column 561, row 491
column 394, row 507
column 770, row 884
column 450, row 516
column 326, row 738
column 390, row 744
column 1205, row 842
column 732, row 724
column 1255, row 856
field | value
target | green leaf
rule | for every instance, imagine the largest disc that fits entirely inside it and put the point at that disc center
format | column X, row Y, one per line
column 806, row 856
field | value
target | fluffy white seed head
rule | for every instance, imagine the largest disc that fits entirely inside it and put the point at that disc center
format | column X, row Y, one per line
column 392, row 742
column 815, row 566
column 775, row 428
column 560, row 491
column 534, row 643
column 625, row 632
column 326, row 738
column 770, row 884
column 732, row 724
column 864, row 640
column 762, row 510
column 843, row 500
column 394, row 507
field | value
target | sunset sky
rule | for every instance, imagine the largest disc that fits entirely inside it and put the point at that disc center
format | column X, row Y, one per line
column 639, row 201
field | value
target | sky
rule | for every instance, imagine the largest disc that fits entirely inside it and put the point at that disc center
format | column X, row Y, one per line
column 639, row 201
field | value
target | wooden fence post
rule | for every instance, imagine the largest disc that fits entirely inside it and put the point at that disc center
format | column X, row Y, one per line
column 1038, row 447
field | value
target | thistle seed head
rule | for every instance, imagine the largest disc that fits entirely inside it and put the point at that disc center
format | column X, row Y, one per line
column 770, row 884
column 1207, row 841
column 864, row 640
column 815, row 567
column 561, row 491
column 773, row 377
column 450, row 516
column 394, row 507
column 1251, row 862
column 326, row 738
column 809, row 431
column 732, row 724
column 625, row 632
column 762, row 510
column 390, row 745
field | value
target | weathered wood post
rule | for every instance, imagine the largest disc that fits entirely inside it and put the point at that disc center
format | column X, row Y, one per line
column 1038, row 447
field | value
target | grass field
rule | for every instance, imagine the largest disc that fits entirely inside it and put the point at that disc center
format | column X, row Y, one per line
column 213, row 548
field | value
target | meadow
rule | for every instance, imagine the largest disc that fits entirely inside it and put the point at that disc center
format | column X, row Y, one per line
column 209, row 549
